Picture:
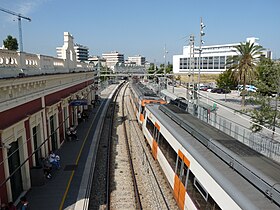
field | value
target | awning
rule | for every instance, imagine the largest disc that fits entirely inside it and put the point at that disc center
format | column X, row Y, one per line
column 78, row 102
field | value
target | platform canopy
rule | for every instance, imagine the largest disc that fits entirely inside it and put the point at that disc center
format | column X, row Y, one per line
column 78, row 102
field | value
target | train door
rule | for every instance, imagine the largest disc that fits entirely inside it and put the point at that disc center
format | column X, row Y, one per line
column 156, row 135
column 15, row 170
column 182, row 170
column 141, row 111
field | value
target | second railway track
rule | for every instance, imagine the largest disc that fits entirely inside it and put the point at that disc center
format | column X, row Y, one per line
column 136, row 181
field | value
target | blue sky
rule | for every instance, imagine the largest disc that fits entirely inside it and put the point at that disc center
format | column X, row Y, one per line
column 141, row 27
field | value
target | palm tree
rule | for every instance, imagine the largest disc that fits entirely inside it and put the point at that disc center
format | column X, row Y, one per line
column 243, row 65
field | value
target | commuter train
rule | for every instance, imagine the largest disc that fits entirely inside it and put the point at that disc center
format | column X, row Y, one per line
column 141, row 96
column 206, row 168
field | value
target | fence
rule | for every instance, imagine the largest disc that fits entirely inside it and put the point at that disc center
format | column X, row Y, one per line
column 262, row 143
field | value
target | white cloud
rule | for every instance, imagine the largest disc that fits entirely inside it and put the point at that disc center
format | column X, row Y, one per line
column 23, row 7
column 26, row 7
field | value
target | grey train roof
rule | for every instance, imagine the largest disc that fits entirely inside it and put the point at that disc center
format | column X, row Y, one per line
column 243, row 173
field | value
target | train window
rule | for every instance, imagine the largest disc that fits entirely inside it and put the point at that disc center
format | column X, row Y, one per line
column 150, row 126
column 167, row 151
column 178, row 168
column 184, row 174
column 156, row 134
column 142, row 109
column 198, row 194
column 197, row 198
column 200, row 189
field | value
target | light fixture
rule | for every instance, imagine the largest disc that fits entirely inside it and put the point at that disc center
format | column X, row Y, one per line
column 6, row 146
column 202, row 25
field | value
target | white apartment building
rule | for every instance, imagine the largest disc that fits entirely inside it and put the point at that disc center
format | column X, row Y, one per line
column 138, row 60
column 213, row 58
column 113, row 58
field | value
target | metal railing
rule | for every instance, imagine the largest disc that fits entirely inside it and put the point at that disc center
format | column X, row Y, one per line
column 261, row 143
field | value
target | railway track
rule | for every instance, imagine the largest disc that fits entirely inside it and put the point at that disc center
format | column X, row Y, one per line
column 153, row 186
column 100, row 190
column 136, row 181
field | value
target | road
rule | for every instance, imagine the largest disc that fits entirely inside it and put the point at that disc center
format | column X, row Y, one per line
column 228, row 105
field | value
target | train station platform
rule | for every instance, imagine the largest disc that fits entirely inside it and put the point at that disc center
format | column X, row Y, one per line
column 64, row 189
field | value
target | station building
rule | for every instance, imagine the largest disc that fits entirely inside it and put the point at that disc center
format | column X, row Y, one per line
column 40, row 97
column 213, row 58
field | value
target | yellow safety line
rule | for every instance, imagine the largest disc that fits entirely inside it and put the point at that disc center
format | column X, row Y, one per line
column 77, row 160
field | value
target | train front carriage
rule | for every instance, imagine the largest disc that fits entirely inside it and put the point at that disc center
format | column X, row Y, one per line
column 140, row 96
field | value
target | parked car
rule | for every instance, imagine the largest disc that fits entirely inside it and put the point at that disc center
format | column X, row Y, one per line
column 204, row 88
column 249, row 88
column 268, row 93
column 220, row 90
column 209, row 89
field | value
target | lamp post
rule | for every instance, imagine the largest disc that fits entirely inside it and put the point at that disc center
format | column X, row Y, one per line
column 201, row 34
column 191, row 67
column 165, row 52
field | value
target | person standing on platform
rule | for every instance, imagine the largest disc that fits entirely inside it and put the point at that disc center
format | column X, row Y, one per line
column 73, row 133
column 79, row 117
column 24, row 203
column 54, row 160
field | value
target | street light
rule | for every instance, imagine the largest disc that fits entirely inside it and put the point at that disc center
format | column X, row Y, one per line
column 165, row 52
column 191, row 67
column 201, row 34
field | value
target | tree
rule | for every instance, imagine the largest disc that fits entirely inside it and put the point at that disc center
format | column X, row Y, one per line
column 268, row 81
column 267, row 76
column 226, row 80
column 152, row 70
column 169, row 68
column 243, row 64
column 264, row 115
column 10, row 43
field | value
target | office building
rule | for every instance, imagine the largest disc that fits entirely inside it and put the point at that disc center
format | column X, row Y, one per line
column 82, row 52
column 138, row 60
column 213, row 58
column 113, row 58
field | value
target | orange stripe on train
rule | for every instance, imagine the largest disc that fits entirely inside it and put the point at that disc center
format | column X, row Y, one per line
column 157, row 126
column 184, row 158
column 154, row 149
column 179, row 192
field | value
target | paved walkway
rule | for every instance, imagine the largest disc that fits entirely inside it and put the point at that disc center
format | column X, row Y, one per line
column 62, row 191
